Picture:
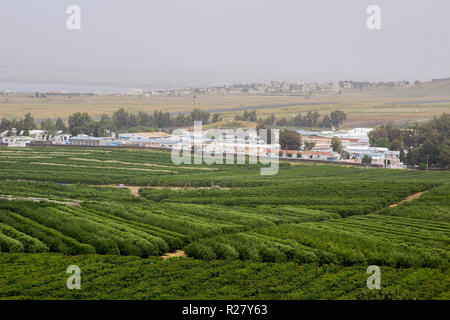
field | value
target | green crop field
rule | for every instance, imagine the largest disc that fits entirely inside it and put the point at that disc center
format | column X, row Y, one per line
column 309, row 232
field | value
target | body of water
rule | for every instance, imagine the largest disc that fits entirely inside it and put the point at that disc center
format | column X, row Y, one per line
column 63, row 87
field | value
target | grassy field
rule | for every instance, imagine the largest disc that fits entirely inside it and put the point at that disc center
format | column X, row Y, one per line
column 309, row 232
column 368, row 107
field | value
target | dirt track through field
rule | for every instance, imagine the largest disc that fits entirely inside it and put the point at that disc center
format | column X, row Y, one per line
column 409, row 198
column 71, row 203
column 135, row 189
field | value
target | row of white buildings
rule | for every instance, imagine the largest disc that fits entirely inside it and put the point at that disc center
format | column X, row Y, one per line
column 354, row 144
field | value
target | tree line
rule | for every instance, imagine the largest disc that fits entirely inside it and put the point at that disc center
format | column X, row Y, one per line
column 124, row 121
column 120, row 121
column 311, row 120
column 25, row 124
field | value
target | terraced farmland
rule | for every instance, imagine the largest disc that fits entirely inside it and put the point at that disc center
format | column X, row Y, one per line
column 62, row 204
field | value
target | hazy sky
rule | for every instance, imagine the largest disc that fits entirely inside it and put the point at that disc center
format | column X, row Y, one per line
column 229, row 40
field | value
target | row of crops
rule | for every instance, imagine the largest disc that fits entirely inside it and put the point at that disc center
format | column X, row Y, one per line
column 344, row 198
column 369, row 239
column 141, row 229
column 143, row 168
column 58, row 191
column 79, row 231
column 34, row 276
column 305, row 214
column 433, row 205
column 261, row 233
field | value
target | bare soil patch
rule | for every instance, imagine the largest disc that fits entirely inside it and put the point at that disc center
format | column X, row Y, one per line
column 134, row 190
column 178, row 253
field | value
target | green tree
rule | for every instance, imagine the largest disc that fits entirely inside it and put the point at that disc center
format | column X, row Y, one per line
column 336, row 144
column 395, row 145
column 121, row 119
column 290, row 139
column 382, row 136
column 60, row 126
column 5, row 124
column 382, row 142
column 252, row 116
column 311, row 119
column 181, row 120
column 80, row 123
column 326, row 122
column 444, row 154
column 28, row 122
column 49, row 126
column 105, row 123
column 337, row 118
column 200, row 115
column 144, row 119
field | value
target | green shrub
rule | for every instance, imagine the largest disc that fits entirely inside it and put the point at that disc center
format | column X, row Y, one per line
column 200, row 251
column 30, row 244
column 8, row 244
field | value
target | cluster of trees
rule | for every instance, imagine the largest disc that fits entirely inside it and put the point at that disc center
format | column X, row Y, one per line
column 269, row 121
column 312, row 119
column 121, row 120
column 25, row 124
column 53, row 126
column 428, row 143
column 247, row 116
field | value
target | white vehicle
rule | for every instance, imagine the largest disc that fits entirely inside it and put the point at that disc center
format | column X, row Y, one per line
column 121, row 186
